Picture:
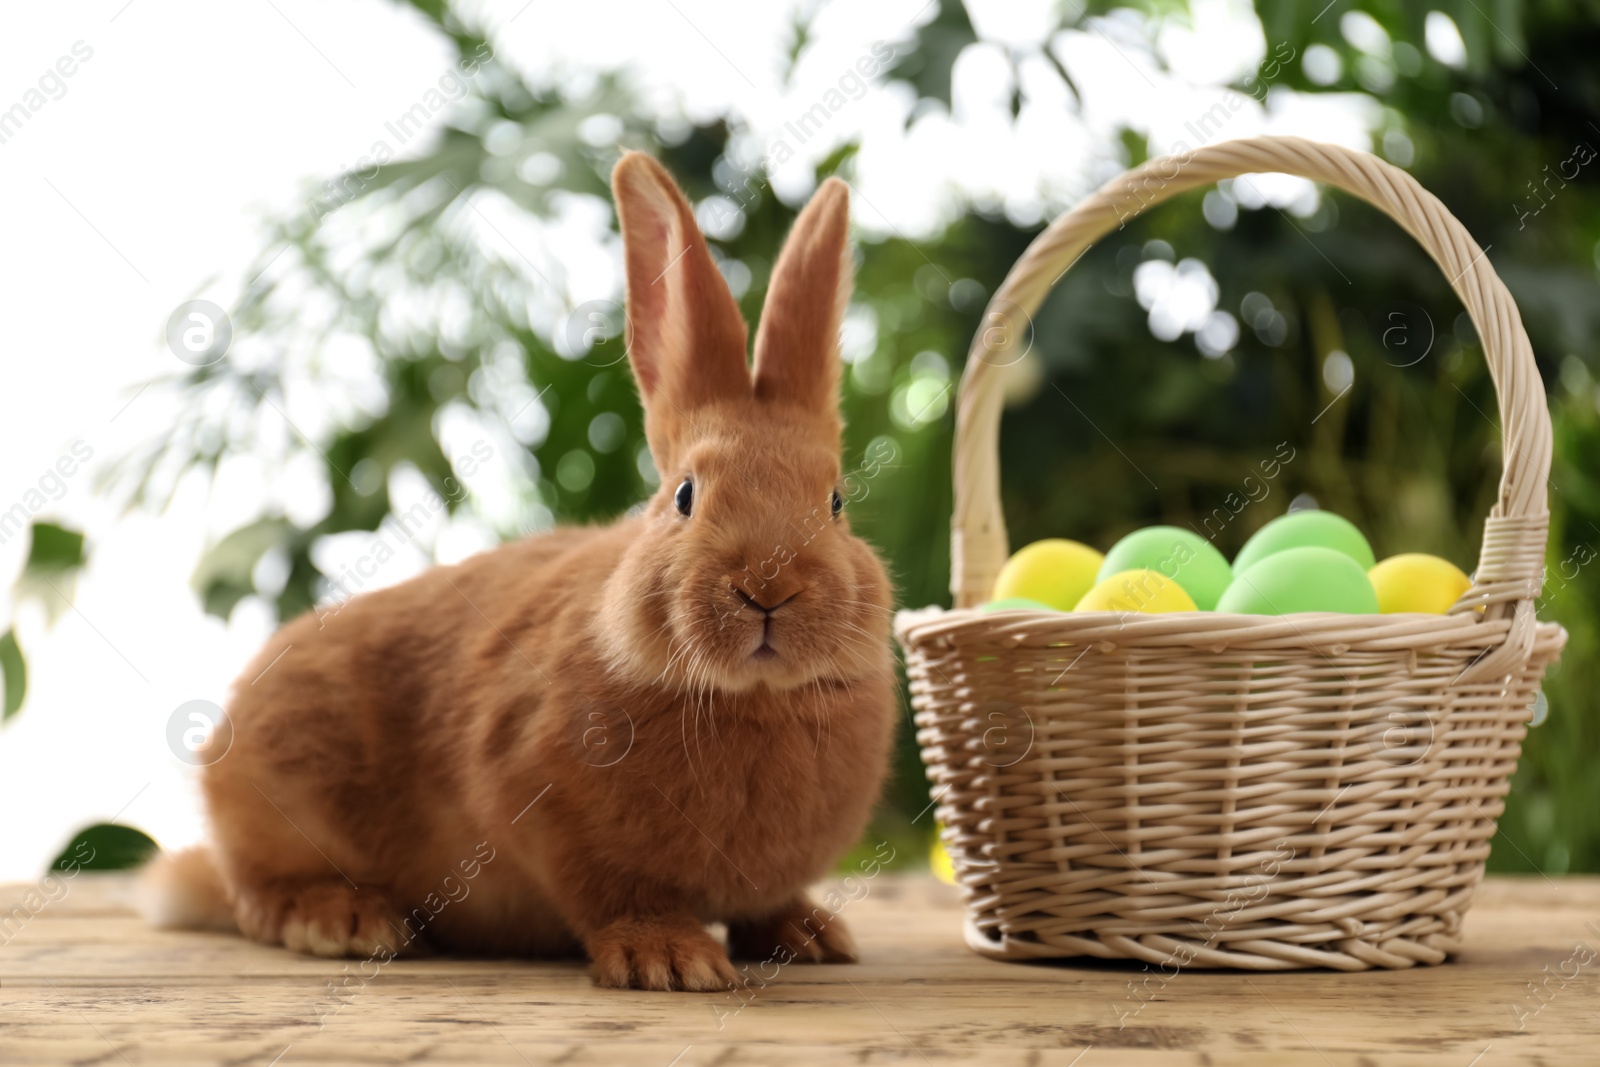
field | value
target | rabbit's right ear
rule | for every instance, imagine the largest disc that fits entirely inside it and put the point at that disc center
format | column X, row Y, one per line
column 686, row 338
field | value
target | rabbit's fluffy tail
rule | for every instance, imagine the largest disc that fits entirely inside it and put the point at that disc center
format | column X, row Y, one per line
column 183, row 890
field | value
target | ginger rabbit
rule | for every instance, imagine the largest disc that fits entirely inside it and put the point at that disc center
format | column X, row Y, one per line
column 599, row 738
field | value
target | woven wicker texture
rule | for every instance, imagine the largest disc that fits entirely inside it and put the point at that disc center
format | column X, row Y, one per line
column 1204, row 789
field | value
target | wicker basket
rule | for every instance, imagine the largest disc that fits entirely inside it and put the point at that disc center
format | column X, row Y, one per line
column 1205, row 789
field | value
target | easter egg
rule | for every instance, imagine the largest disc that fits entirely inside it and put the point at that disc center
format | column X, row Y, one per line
column 1136, row 590
column 1055, row 573
column 1015, row 603
column 944, row 867
column 1301, row 529
column 1181, row 555
column 1416, row 581
column 1309, row 578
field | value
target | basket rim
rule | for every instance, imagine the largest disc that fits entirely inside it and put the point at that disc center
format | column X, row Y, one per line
column 1327, row 632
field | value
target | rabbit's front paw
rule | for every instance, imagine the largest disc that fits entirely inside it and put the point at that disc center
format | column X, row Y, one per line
column 659, row 953
column 802, row 931
column 323, row 919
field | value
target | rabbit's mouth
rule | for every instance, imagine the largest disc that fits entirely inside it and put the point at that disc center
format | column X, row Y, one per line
column 764, row 649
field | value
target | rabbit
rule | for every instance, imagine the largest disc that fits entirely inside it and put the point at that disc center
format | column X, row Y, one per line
column 598, row 739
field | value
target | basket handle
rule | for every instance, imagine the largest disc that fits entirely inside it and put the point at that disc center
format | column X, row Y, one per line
column 1511, row 562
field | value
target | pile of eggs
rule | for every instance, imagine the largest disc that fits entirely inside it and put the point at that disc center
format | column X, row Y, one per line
column 1302, row 561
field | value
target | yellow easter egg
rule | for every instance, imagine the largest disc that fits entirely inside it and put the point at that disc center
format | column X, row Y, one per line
column 943, row 868
column 1138, row 590
column 1418, row 582
column 1055, row 572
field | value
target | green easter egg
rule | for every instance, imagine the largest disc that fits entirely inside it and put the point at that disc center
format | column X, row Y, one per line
column 1301, row 529
column 1309, row 578
column 1175, row 553
column 1015, row 603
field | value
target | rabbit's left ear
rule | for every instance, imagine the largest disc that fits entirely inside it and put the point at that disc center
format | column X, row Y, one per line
column 686, row 338
column 797, row 343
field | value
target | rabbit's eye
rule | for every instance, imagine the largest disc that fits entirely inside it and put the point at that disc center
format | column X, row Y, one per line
column 684, row 497
column 838, row 503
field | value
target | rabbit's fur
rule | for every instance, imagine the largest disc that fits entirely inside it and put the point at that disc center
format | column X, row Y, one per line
column 596, row 738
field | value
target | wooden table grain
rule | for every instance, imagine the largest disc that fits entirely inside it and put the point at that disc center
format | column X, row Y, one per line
column 83, row 981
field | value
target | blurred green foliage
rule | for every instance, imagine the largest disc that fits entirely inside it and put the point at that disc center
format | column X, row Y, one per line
column 55, row 555
column 13, row 674
column 1149, row 431
column 53, row 551
column 105, row 847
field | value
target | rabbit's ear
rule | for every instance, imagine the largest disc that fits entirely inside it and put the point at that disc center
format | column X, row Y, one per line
column 686, row 338
column 797, row 344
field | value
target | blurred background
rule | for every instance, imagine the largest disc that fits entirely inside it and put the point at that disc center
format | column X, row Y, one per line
column 278, row 272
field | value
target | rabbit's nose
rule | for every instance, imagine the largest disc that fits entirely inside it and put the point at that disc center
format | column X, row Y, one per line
column 767, row 602
column 769, row 596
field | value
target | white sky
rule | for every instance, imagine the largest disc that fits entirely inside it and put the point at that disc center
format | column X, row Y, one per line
column 146, row 182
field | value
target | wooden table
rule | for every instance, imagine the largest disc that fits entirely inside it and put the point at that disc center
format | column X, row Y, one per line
column 83, row 981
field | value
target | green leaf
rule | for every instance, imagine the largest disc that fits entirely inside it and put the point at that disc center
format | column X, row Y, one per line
column 105, row 847
column 13, row 675
column 55, row 549
column 223, row 575
column 55, row 555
